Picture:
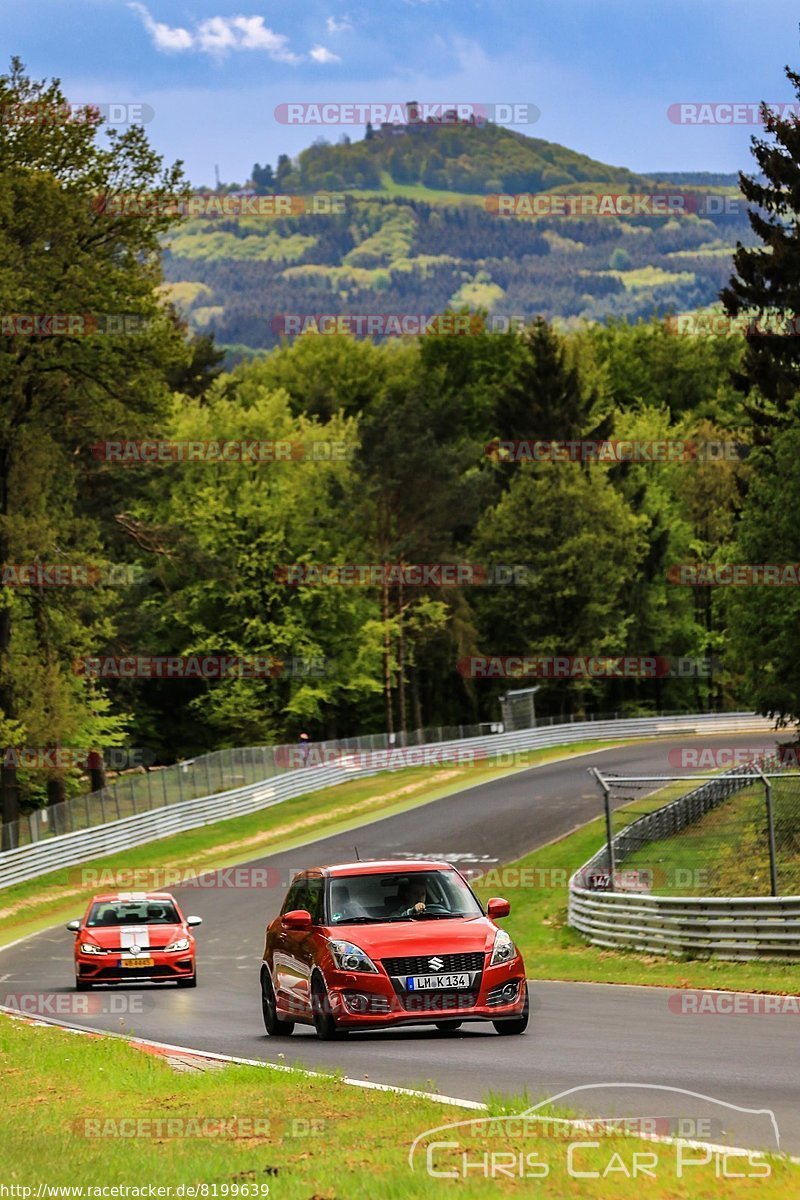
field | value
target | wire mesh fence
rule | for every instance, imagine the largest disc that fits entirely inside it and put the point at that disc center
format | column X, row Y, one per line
column 223, row 770
column 735, row 835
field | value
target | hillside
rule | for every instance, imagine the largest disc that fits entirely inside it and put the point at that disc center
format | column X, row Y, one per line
column 463, row 157
column 409, row 223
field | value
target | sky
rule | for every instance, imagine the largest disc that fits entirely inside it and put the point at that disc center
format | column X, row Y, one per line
column 602, row 76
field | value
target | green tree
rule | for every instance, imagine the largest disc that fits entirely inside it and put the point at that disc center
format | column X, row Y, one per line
column 583, row 547
column 66, row 252
column 766, row 282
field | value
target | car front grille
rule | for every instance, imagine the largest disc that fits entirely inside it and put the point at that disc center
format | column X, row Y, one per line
column 437, row 1002
column 421, row 964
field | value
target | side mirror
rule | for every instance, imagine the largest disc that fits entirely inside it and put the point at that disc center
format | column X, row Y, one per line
column 74, row 926
column 498, row 908
column 194, row 920
column 298, row 919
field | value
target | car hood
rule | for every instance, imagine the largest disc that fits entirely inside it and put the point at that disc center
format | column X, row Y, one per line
column 458, row 935
column 111, row 937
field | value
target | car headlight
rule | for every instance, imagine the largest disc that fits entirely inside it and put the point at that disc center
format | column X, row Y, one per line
column 504, row 949
column 88, row 948
column 351, row 958
column 178, row 944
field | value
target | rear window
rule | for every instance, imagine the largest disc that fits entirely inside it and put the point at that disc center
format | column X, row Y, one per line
column 133, row 912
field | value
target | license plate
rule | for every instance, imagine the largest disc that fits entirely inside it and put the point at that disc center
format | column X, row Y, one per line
column 136, row 962
column 426, row 983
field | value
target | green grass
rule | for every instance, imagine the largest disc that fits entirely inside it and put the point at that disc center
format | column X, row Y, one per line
column 67, row 1099
column 28, row 907
column 537, row 887
column 726, row 853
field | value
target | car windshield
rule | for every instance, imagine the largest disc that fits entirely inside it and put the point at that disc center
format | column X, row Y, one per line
column 399, row 896
column 133, row 912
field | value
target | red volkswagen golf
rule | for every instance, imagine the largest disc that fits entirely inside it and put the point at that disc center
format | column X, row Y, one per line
column 126, row 936
column 366, row 945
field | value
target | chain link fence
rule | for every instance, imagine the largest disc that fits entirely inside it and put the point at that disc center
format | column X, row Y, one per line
column 223, row 770
column 732, row 836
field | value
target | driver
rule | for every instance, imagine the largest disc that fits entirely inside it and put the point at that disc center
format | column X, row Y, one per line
column 415, row 895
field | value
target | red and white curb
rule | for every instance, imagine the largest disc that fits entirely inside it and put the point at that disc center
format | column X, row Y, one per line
column 180, row 1054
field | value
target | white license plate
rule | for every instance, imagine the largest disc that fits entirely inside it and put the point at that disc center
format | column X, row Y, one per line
column 426, row 983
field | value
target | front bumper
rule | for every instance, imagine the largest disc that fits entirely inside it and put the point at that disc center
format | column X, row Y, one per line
column 367, row 1001
column 107, row 968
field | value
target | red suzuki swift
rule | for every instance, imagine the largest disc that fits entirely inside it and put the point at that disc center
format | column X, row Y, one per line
column 368, row 945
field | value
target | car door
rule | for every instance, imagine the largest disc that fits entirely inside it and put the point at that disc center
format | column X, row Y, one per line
column 282, row 971
column 299, row 945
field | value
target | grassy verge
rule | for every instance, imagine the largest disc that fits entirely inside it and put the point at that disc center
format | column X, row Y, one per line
column 27, row 907
column 97, row 1112
column 537, row 886
column 726, row 853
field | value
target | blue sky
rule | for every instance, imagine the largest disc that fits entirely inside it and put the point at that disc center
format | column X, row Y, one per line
column 602, row 74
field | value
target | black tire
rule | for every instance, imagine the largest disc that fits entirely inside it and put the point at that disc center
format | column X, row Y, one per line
column 448, row 1026
column 82, row 985
column 512, row 1025
column 191, row 981
column 324, row 1021
column 272, row 1023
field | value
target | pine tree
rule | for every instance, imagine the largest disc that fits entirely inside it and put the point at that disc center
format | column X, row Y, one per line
column 767, row 278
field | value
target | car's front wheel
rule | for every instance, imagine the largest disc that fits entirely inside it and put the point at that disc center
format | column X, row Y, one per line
column 448, row 1026
column 188, row 981
column 82, row 985
column 513, row 1025
column 324, row 1020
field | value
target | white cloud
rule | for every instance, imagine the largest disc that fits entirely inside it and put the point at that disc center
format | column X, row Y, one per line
column 219, row 36
column 165, row 37
column 334, row 26
column 319, row 54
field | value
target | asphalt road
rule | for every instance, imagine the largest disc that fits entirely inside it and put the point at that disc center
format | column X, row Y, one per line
column 587, row 1036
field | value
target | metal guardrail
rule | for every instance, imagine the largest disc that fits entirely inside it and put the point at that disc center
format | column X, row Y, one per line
column 733, row 928
column 82, row 845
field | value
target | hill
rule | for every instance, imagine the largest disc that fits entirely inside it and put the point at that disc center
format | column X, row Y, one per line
column 407, row 221
column 459, row 157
